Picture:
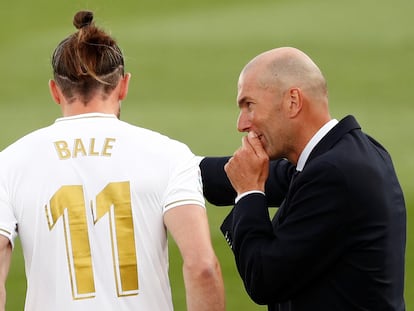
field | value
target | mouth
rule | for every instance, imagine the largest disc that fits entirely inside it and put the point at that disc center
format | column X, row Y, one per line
column 261, row 138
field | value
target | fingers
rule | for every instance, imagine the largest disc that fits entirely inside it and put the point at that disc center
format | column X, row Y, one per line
column 256, row 144
column 249, row 167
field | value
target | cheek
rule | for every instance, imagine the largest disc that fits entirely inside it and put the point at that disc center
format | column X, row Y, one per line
column 274, row 132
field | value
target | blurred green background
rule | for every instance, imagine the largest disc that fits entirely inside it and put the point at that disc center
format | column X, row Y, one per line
column 185, row 57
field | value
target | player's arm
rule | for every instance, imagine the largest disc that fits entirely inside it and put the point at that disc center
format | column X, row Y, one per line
column 5, row 259
column 204, row 286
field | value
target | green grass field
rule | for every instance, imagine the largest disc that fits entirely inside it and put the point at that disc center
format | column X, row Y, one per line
column 185, row 57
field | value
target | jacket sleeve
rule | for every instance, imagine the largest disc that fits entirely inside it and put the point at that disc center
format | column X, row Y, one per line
column 219, row 191
column 217, row 188
column 276, row 259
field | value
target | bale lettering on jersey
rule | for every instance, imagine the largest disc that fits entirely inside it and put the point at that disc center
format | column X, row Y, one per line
column 79, row 148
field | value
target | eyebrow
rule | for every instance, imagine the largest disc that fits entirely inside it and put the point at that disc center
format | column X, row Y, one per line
column 242, row 100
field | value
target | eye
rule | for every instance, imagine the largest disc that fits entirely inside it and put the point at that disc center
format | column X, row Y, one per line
column 246, row 104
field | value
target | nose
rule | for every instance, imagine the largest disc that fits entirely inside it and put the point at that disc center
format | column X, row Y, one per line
column 243, row 122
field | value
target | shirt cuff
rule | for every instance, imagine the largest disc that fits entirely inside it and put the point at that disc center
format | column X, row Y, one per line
column 242, row 195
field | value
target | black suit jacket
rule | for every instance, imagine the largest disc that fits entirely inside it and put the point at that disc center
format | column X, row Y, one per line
column 337, row 242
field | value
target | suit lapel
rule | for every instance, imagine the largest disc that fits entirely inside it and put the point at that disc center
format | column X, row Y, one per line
column 330, row 139
column 346, row 125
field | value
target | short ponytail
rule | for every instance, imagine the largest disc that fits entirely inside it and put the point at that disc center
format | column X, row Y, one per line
column 87, row 60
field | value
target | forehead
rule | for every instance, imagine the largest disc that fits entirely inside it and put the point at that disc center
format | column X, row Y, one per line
column 248, row 79
column 252, row 85
column 244, row 88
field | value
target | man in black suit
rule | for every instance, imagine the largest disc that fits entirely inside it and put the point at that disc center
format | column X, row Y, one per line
column 337, row 241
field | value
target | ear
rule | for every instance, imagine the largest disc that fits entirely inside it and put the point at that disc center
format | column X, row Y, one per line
column 55, row 92
column 295, row 101
column 123, row 91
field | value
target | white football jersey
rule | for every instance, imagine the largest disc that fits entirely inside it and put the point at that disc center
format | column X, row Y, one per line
column 86, row 196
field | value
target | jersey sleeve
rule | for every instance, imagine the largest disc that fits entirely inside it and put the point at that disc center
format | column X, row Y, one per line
column 8, row 222
column 185, row 185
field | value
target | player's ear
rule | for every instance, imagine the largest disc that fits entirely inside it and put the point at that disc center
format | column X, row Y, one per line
column 123, row 91
column 54, row 91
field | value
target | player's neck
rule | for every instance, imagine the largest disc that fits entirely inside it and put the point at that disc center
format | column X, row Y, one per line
column 77, row 107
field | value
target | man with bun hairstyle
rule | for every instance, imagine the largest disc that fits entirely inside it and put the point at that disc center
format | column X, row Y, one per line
column 92, row 197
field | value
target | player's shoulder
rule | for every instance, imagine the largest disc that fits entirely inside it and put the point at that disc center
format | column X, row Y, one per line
column 26, row 142
column 155, row 138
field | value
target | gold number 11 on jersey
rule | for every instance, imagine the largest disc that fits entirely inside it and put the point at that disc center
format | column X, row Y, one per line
column 115, row 200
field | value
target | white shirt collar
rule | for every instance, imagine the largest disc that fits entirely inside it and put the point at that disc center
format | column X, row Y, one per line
column 313, row 142
column 87, row 115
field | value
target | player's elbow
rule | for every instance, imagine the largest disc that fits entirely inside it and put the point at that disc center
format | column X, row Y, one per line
column 202, row 268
